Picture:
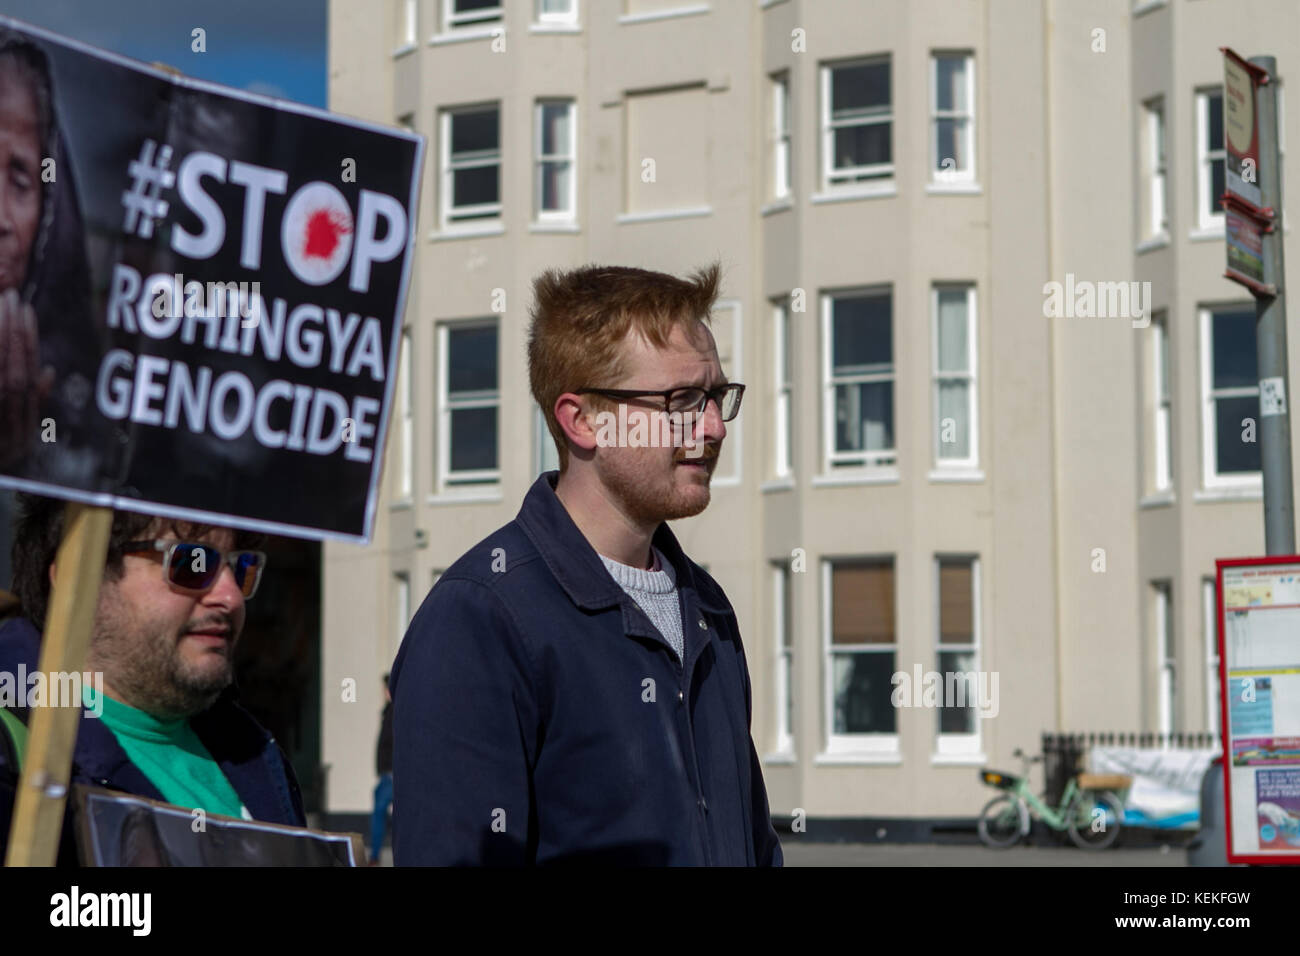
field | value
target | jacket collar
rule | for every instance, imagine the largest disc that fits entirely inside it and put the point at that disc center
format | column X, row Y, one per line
column 575, row 563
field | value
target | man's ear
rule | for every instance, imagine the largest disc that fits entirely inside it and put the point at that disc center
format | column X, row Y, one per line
column 575, row 422
column 51, row 575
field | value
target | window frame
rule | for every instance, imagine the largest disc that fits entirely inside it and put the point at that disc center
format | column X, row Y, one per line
column 879, row 745
column 552, row 216
column 405, row 490
column 875, row 177
column 470, row 480
column 452, row 218
column 1206, row 219
column 1161, row 391
column 866, row 462
column 1210, row 478
column 453, row 21
column 782, row 583
column 780, row 153
column 542, row 441
column 972, row 461
column 735, row 427
column 950, row 744
column 938, row 176
column 783, row 391
column 545, row 19
column 1155, row 158
column 1210, row 631
column 1166, row 652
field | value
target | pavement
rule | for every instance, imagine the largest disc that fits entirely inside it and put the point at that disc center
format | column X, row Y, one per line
column 931, row 854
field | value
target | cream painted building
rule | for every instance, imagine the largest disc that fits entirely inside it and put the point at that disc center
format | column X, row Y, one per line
column 928, row 474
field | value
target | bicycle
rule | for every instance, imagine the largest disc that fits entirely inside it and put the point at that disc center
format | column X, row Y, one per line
column 1089, row 810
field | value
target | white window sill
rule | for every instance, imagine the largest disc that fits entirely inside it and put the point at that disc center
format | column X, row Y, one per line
column 894, row 759
column 764, row 4
column 776, row 484
column 404, row 49
column 658, row 215
column 1152, row 243
column 467, row 232
column 553, row 227
column 730, row 481
column 881, row 476
column 404, row 505
column 777, row 205
column 1244, row 493
column 682, row 11
column 1157, row 499
column 957, row 475
column 1206, row 234
column 954, row 189
column 850, row 195
column 958, row 760
column 781, row 758
column 1146, row 6
column 464, row 34
column 554, row 28
column 477, row 496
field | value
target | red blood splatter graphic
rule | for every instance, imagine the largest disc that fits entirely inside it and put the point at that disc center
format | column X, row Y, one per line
column 325, row 227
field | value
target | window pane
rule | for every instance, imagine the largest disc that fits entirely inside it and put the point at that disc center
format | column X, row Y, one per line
column 855, row 89
column 862, row 604
column 1216, row 185
column 862, row 145
column 474, row 131
column 787, row 611
column 473, row 439
column 954, row 405
column 952, row 145
column 472, row 364
column 555, row 128
column 861, row 333
column 468, row 6
column 954, row 347
column 862, row 692
column 785, row 346
column 864, row 417
column 950, row 92
column 959, row 718
column 956, row 607
column 1214, row 128
column 470, row 187
column 1235, row 362
column 1233, row 454
column 555, row 186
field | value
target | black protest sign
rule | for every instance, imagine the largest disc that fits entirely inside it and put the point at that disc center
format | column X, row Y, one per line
column 201, row 294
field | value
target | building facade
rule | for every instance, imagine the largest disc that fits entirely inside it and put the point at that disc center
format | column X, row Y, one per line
column 933, row 472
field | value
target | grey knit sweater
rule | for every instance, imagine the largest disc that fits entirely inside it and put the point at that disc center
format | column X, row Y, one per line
column 655, row 592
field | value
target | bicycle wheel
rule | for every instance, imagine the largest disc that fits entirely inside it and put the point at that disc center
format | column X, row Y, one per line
column 1095, row 819
column 999, row 825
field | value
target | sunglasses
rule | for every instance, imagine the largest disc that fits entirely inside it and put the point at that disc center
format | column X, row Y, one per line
column 195, row 567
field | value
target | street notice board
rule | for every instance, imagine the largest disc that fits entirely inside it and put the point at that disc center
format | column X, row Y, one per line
column 201, row 309
column 1245, row 218
column 1259, row 682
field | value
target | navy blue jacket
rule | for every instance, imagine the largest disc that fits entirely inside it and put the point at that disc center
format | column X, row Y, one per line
column 539, row 717
column 249, row 756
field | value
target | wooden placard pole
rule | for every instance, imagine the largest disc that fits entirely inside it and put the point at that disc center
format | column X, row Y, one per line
column 79, row 567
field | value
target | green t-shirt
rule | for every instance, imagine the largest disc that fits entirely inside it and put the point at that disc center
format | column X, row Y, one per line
column 171, row 755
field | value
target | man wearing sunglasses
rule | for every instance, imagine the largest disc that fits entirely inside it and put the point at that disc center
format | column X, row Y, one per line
column 169, row 613
column 574, row 688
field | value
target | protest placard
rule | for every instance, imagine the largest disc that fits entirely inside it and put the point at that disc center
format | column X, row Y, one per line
column 201, row 313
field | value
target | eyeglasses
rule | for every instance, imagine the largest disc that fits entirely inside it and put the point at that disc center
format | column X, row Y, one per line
column 689, row 399
column 195, row 567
